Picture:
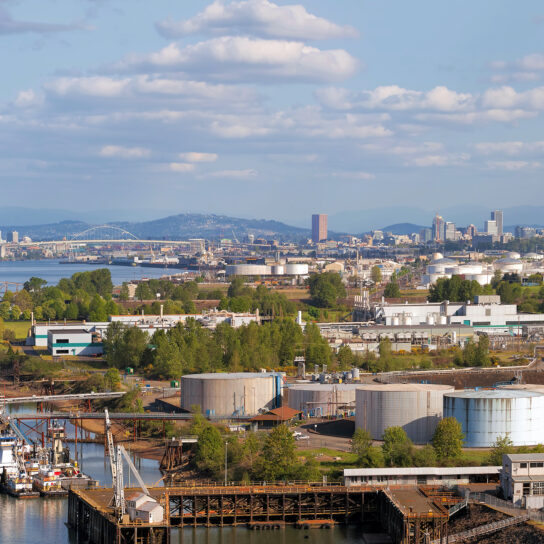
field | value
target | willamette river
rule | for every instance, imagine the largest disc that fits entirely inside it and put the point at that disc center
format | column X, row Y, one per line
column 52, row 271
column 38, row 521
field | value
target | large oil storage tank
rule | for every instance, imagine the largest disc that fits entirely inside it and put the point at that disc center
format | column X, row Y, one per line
column 239, row 393
column 415, row 407
column 296, row 269
column 247, row 270
column 322, row 399
column 486, row 415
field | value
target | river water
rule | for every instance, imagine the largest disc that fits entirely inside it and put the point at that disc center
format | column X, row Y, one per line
column 52, row 271
column 37, row 521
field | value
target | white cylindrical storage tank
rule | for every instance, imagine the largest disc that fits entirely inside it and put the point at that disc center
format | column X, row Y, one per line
column 442, row 320
column 395, row 320
column 355, row 372
column 277, row 270
column 417, row 408
column 322, row 399
column 247, row 270
column 509, row 265
column 239, row 393
column 296, row 269
column 512, row 255
column 430, row 319
column 489, row 414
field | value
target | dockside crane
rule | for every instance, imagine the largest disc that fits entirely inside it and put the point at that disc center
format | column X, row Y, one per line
column 117, row 453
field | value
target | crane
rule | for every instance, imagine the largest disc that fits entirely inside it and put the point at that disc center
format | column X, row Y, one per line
column 117, row 453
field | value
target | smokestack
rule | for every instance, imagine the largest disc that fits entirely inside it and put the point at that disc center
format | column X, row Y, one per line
column 162, row 310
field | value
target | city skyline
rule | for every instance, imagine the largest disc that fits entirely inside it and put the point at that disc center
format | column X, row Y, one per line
column 324, row 107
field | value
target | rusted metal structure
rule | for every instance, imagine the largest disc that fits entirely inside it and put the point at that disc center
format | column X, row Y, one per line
column 276, row 504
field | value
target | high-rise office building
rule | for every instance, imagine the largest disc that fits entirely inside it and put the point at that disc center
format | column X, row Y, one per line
column 472, row 230
column 498, row 218
column 450, row 232
column 491, row 227
column 319, row 227
column 13, row 236
column 439, row 226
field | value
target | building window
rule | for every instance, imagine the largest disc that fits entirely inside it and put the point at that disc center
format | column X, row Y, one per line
column 527, row 489
column 422, row 480
column 63, row 351
column 62, row 341
column 537, row 465
column 538, row 488
column 523, row 465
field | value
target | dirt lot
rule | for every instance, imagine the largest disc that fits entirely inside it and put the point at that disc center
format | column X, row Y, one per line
column 480, row 515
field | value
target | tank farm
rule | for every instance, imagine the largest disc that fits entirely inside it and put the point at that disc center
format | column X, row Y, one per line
column 409, row 514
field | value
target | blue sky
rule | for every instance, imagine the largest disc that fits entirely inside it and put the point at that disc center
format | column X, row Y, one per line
column 274, row 109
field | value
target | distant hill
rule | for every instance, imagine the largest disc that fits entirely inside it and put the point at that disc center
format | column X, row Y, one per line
column 211, row 226
column 175, row 227
column 403, row 228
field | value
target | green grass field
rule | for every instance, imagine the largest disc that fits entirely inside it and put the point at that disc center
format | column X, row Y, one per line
column 20, row 328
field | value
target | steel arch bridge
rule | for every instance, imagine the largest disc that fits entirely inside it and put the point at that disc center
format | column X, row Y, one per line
column 103, row 232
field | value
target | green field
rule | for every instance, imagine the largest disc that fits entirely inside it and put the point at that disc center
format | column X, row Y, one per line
column 20, row 328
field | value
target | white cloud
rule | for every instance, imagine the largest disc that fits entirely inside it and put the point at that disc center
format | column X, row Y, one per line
column 513, row 166
column 507, row 97
column 198, row 157
column 393, row 97
column 354, row 175
column 28, row 99
column 447, row 159
column 509, row 148
column 238, row 58
column 234, row 174
column 124, row 152
column 527, row 68
column 402, row 149
column 181, row 167
column 257, row 18
column 145, row 85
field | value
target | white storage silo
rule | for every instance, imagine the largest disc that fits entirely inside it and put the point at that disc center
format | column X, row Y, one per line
column 417, row 408
column 227, row 394
column 486, row 415
column 322, row 399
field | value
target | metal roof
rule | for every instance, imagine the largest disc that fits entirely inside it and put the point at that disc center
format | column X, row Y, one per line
column 494, row 394
column 421, row 471
column 230, row 375
column 521, row 457
column 69, row 331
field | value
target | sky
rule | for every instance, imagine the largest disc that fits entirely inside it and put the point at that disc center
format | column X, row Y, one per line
column 271, row 109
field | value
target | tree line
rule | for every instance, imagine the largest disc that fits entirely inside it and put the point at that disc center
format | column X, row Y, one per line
column 192, row 348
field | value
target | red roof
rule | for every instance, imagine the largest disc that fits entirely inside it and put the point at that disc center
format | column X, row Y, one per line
column 285, row 413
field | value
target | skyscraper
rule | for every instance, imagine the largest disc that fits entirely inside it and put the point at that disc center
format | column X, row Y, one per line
column 319, row 227
column 438, row 228
column 497, row 217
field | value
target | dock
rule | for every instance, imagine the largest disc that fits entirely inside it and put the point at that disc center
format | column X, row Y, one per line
column 407, row 514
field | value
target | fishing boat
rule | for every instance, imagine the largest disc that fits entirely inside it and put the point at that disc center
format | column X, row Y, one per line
column 14, row 479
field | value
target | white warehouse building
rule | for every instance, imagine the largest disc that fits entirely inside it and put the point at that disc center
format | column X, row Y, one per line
column 487, row 314
column 74, row 342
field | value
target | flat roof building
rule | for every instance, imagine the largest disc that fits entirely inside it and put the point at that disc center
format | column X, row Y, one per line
column 319, row 228
column 522, row 479
column 447, row 476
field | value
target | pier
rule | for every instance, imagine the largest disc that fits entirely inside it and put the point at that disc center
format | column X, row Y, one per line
column 406, row 513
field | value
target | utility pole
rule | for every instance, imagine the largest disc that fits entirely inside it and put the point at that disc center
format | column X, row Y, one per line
column 226, row 451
